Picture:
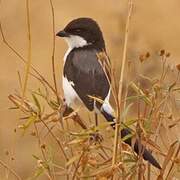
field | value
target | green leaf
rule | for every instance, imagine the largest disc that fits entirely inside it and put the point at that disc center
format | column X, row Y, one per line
column 38, row 172
column 54, row 105
column 129, row 159
column 127, row 137
column 147, row 125
column 76, row 141
column 103, row 125
column 30, row 120
column 14, row 107
column 129, row 122
column 35, row 157
column 140, row 92
column 134, row 97
column 177, row 89
column 126, row 110
column 171, row 86
column 81, row 134
column 36, row 102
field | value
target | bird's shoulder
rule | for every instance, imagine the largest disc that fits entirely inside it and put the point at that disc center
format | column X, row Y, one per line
column 85, row 55
column 84, row 59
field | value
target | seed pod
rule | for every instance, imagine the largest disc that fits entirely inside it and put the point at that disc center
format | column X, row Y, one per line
column 162, row 52
column 178, row 67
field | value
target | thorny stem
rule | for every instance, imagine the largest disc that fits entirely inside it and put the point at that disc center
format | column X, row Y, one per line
column 118, row 122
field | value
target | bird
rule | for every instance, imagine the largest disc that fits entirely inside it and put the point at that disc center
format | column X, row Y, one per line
column 84, row 76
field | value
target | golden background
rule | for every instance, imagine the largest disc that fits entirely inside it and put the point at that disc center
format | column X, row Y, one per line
column 154, row 25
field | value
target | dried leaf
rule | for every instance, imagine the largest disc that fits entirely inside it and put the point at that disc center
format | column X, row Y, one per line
column 30, row 120
column 36, row 102
column 178, row 67
column 162, row 52
column 96, row 99
column 171, row 86
column 129, row 122
column 73, row 159
column 169, row 156
column 144, row 57
column 139, row 91
column 126, row 110
column 77, row 141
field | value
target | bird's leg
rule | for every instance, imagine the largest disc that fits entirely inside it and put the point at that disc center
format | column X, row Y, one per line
column 96, row 137
column 68, row 110
column 74, row 115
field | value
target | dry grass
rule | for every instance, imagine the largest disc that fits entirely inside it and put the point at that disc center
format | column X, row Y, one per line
column 72, row 148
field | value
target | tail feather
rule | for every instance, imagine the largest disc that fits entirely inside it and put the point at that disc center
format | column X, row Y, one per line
column 147, row 155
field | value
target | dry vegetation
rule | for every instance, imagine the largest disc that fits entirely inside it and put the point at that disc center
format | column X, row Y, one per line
column 72, row 147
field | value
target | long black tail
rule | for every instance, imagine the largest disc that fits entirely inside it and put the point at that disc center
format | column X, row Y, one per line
column 124, row 132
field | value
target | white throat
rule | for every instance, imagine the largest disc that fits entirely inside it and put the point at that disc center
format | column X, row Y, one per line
column 74, row 41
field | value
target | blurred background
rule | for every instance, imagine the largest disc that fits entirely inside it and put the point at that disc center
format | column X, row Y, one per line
column 154, row 26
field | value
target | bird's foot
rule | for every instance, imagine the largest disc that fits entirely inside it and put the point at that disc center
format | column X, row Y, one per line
column 95, row 138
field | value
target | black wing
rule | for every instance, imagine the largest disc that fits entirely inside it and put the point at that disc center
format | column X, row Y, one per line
column 88, row 77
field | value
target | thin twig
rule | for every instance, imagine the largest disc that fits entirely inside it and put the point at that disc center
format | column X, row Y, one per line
column 139, row 134
column 28, row 65
column 77, row 166
column 23, row 59
column 173, row 162
column 53, row 51
column 11, row 170
column 42, row 151
column 56, row 139
column 118, row 122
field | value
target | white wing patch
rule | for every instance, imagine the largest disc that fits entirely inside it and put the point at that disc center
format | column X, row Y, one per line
column 71, row 97
column 106, row 105
column 73, row 100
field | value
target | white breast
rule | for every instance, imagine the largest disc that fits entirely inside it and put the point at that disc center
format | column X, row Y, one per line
column 74, row 41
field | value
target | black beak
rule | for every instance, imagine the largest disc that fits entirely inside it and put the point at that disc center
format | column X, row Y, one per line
column 62, row 34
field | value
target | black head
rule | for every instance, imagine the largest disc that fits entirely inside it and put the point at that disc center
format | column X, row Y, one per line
column 86, row 28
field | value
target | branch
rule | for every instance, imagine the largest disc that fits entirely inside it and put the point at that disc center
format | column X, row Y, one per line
column 11, row 170
column 53, row 51
column 118, row 122
column 56, row 139
column 23, row 59
column 28, row 65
